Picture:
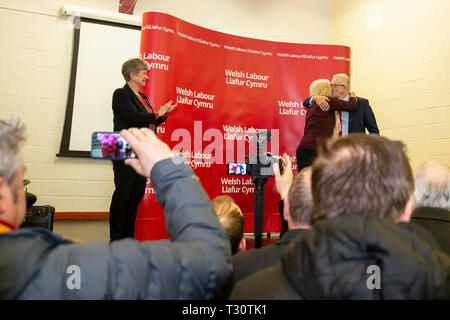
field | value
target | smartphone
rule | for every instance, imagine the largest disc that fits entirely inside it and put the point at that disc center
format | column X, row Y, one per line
column 110, row 146
column 237, row 168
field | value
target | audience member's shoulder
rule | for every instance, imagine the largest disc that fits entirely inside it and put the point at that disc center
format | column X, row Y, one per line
column 436, row 222
column 35, row 234
column 421, row 233
column 248, row 262
column 351, row 229
column 255, row 254
column 431, row 214
column 289, row 236
column 269, row 283
column 248, row 255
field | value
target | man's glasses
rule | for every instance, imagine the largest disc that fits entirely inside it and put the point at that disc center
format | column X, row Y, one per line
column 333, row 85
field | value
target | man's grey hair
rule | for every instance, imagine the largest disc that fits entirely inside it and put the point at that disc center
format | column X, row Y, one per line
column 12, row 134
column 432, row 185
column 344, row 77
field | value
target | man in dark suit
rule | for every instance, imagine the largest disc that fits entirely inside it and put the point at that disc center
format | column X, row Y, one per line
column 432, row 201
column 131, row 108
column 356, row 121
column 296, row 194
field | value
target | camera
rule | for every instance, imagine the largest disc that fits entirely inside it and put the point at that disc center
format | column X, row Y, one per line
column 255, row 168
column 259, row 164
column 110, row 146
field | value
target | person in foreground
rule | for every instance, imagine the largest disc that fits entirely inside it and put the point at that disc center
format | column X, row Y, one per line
column 36, row 264
column 361, row 245
column 432, row 201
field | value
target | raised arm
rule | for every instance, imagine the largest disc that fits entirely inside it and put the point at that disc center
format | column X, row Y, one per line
column 194, row 264
column 197, row 260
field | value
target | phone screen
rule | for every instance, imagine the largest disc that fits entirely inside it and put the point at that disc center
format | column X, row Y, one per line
column 110, row 146
column 237, row 168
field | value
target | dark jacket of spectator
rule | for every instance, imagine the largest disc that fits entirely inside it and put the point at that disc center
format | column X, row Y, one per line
column 335, row 260
column 36, row 264
column 437, row 222
column 248, row 262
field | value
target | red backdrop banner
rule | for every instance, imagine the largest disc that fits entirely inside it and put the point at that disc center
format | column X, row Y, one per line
column 227, row 88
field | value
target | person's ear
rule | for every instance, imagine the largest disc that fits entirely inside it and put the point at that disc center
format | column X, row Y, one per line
column 286, row 214
column 242, row 245
column 407, row 211
column 2, row 190
column 132, row 76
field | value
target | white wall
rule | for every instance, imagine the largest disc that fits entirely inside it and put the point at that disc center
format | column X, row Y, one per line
column 401, row 63
column 301, row 21
column 35, row 62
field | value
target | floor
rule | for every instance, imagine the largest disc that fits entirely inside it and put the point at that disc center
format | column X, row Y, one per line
column 98, row 231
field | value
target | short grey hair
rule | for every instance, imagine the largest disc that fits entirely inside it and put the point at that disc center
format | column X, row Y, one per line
column 432, row 185
column 134, row 66
column 12, row 134
column 345, row 77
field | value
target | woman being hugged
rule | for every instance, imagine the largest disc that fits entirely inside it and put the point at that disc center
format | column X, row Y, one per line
column 321, row 125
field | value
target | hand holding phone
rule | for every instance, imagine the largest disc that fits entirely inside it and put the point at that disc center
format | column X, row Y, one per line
column 110, row 146
column 149, row 150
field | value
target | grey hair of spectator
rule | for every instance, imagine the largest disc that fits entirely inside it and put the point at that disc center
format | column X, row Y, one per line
column 12, row 134
column 432, row 185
